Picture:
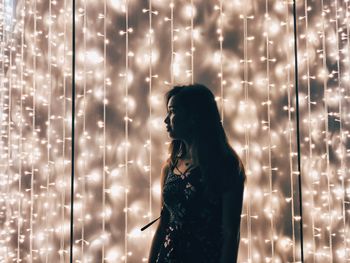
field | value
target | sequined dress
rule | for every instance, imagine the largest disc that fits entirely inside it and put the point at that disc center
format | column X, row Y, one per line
column 194, row 231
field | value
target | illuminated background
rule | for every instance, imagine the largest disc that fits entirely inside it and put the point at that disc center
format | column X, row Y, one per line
column 128, row 54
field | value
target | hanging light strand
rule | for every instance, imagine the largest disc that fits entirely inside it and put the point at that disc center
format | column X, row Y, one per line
column 150, row 57
column 83, row 184
column 246, row 129
column 268, row 102
column 192, row 44
column 172, row 41
column 347, row 96
column 104, row 131
column 63, row 190
column 31, row 224
column 325, row 86
column 126, row 157
column 19, row 216
column 290, row 130
column 47, row 201
column 221, row 73
column 311, row 158
column 9, row 146
column 341, row 134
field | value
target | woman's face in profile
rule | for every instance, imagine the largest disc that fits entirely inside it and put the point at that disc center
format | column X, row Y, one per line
column 176, row 120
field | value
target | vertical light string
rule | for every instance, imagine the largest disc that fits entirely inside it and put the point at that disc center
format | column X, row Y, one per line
column 268, row 103
column 221, row 39
column 290, row 129
column 347, row 65
column 172, row 41
column 104, row 133
column 326, row 115
column 82, row 215
column 9, row 147
column 309, row 138
column 47, row 202
column 72, row 176
column 63, row 184
column 126, row 119
column 340, row 89
column 31, row 224
column 150, row 38
column 247, row 128
column 192, row 45
column 3, row 107
column 20, row 195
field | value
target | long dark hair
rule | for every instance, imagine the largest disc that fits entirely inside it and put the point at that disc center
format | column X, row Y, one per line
column 218, row 161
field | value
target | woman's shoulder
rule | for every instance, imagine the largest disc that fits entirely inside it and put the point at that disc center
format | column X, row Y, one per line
column 164, row 171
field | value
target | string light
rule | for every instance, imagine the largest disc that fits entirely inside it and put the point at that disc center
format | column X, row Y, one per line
column 290, row 128
column 31, row 226
column 246, row 130
column 192, row 44
column 325, row 86
column 126, row 148
column 221, row 73
column 309, row 122
column 49, row 76
column 20, row 194
column 341, row 134
column 270, row 213
column 85, row 135
column 64, row 99
column 35, row 66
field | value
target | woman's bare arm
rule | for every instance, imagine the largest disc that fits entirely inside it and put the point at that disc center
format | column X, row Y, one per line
column 163, row 221
column 231, row 218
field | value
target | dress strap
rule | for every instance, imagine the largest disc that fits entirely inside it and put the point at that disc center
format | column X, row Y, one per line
column 149, row 224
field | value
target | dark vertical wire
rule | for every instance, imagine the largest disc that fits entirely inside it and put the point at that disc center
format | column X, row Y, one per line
column 72, row 144
column 298, row 130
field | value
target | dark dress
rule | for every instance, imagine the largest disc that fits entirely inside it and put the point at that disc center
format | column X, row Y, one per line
column 194, row 232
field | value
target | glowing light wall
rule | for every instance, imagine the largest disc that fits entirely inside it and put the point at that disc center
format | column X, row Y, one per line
column 128, row 54
column 35, row 130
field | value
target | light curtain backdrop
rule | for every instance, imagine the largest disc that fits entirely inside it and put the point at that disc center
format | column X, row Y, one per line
column 128, row 54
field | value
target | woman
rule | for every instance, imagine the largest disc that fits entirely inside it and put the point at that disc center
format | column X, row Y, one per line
column 202, row 184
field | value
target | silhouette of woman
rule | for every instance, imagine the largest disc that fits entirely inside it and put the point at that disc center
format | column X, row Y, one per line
column 202, row 184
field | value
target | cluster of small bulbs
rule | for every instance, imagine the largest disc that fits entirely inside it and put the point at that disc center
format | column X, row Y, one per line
column 128, row 54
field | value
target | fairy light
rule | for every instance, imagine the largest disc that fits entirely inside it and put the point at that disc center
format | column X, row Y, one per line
column 246, row 128
column 9, row 144
column 221, row 39
column 341, row 138
column 150, row 40
column 309, row 137
column 172, row 41
column 104, row 130
column 49, row 39
column 325, row 86
column 64, row 99
column 126, row 148
column 268, row 103
column 290, row 128
column 19, row 216
column 83, row 177
column 31, row 224
column 192, row 45
column 347, row 64
column 39, row 229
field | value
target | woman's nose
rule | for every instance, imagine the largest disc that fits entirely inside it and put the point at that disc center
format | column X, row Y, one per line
column 166, row 120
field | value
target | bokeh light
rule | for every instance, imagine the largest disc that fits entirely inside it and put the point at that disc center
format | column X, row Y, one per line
column 128, row 54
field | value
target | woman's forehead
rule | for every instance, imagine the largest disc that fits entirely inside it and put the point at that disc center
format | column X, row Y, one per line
column 172, row 102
